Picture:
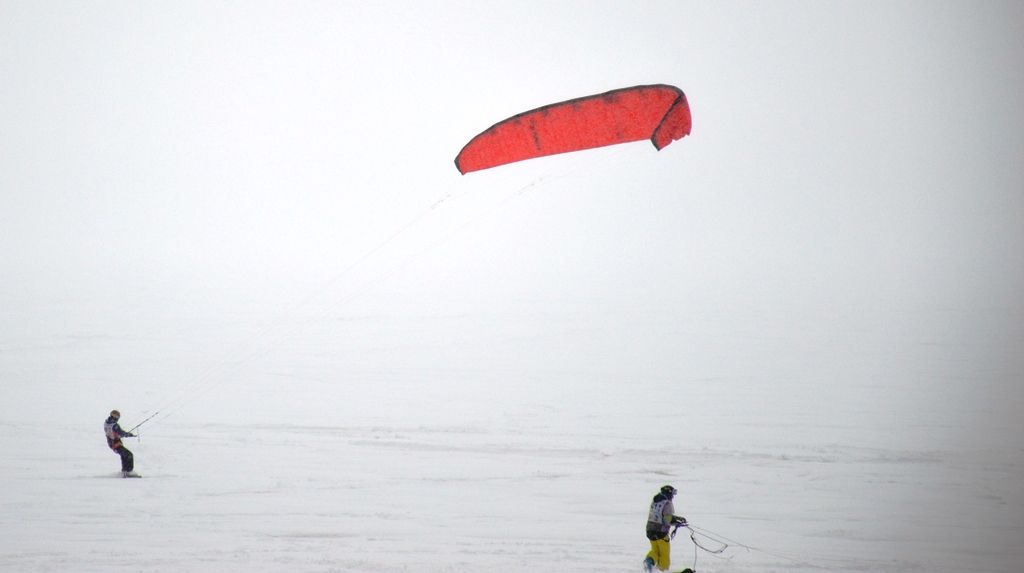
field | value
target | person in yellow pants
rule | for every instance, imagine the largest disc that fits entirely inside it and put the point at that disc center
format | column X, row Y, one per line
column 660, row 555
column 660, row 520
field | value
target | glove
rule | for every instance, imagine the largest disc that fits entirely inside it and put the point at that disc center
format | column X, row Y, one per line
column 680, row 521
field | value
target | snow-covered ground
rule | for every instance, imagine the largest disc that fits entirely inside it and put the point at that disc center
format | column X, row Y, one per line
column 496, row 457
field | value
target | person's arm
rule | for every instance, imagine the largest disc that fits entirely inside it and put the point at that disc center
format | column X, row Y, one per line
column 671, row 517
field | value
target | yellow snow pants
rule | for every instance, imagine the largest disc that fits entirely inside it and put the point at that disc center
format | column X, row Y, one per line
column 660, row 553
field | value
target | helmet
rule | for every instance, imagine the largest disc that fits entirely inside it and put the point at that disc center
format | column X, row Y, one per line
column 115, row 414
column 668, row 491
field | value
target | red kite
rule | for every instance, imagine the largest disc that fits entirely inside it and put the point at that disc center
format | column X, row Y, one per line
column 656, row 112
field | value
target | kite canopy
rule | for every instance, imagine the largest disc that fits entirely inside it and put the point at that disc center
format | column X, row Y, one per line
column 658, row 112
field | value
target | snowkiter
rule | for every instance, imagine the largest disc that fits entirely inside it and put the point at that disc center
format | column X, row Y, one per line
column 660, row 520
column 114, row 434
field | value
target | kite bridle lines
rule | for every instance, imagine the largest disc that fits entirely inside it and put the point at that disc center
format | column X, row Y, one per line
column 704, row 538
column 277, row 330
column 697, row 532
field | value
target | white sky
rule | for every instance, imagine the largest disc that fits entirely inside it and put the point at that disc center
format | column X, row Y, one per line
column 854, row 167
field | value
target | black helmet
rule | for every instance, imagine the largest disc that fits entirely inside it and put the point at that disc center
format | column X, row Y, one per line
column 115, row 414
column 668, row 491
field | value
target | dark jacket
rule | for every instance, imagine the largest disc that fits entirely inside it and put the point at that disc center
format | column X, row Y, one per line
column 659, row 520
column 114, row 433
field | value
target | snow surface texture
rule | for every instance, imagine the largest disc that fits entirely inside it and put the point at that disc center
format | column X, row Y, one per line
column 244, row 220
column 329, row 462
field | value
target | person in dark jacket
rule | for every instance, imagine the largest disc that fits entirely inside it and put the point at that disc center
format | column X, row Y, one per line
column 660, row 519
column 114, row 434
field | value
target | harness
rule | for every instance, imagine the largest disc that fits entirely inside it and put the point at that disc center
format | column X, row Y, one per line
column 111, row 429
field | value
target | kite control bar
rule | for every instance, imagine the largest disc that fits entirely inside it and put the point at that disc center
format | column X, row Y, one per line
column 678, row 522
